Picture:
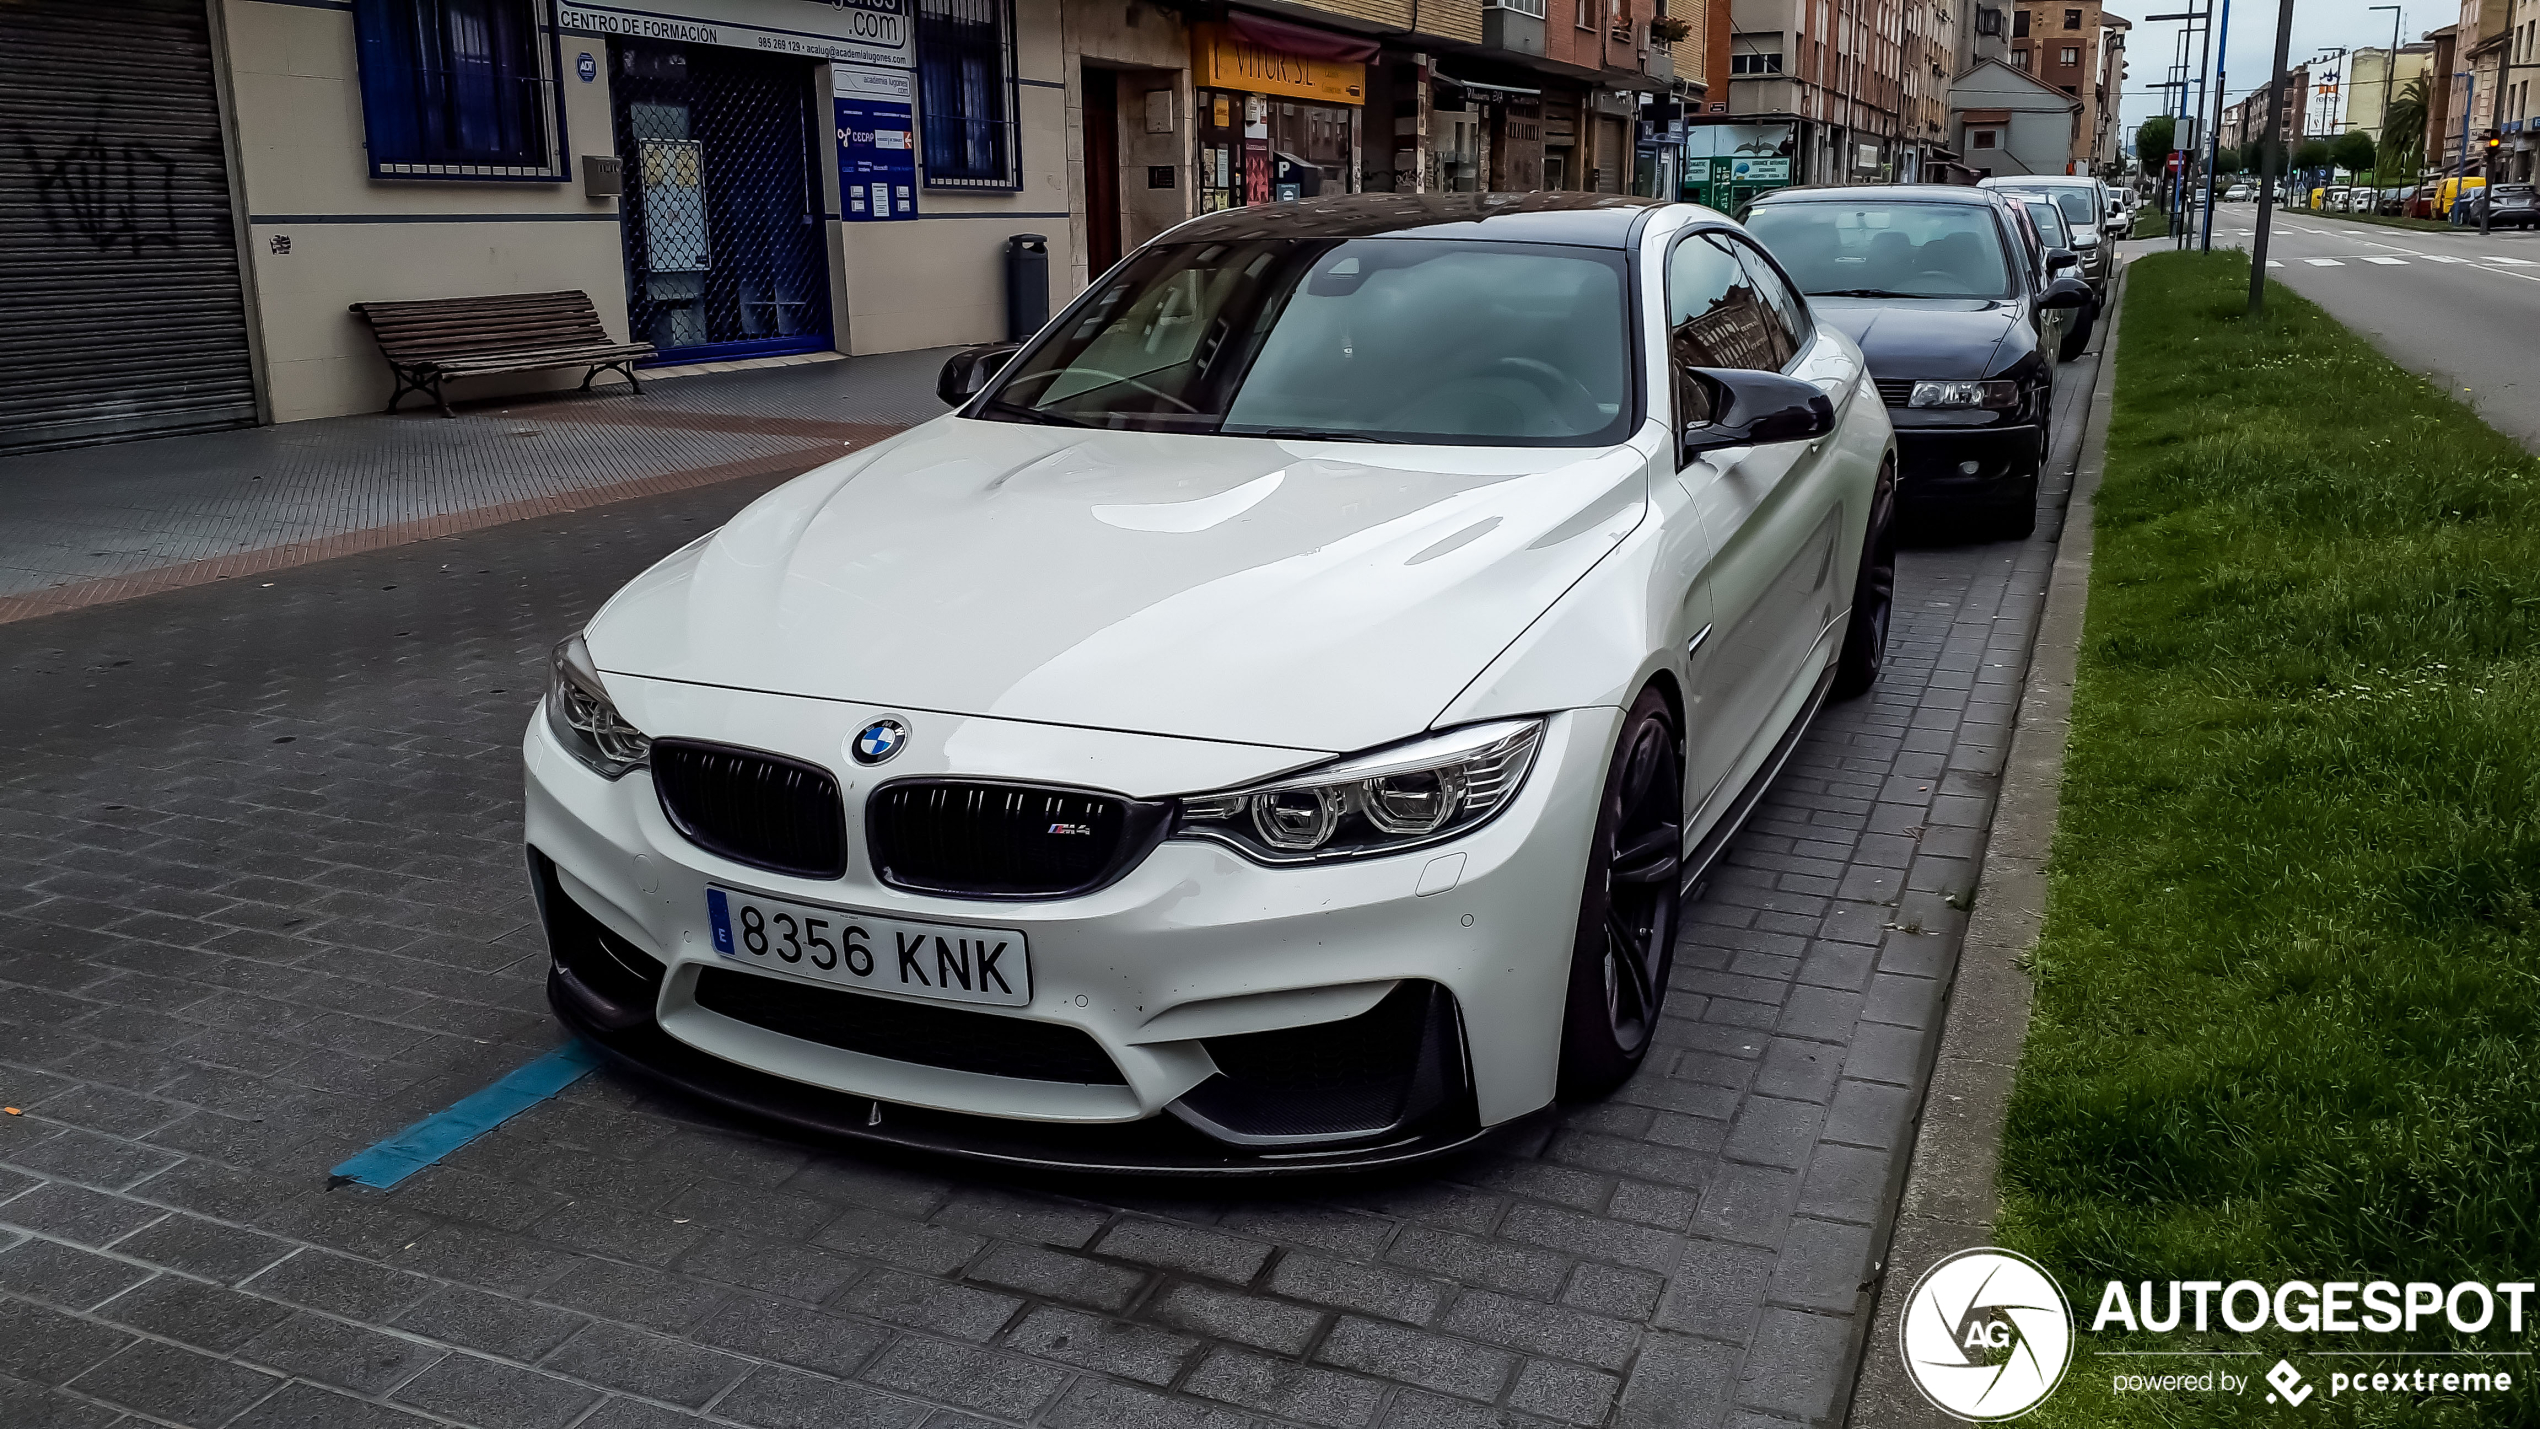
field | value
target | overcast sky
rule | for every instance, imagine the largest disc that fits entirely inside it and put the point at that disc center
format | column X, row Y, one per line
column 2318, row 27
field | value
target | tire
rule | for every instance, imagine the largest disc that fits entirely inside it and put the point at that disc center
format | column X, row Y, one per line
column 2075, row 342
column 1626, row 936
column 1873, row 595
column 2016, row 518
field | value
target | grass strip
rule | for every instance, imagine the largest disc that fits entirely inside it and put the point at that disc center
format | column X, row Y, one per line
column 2287, row 1021
column 2150, row 222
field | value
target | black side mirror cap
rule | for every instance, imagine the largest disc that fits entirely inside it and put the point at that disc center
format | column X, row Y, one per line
column 966, row 372
column 2058, row 259
column 2066, row 293
column 1756, row 409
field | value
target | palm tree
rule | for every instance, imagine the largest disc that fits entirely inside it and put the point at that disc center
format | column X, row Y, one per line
column 2403, row 133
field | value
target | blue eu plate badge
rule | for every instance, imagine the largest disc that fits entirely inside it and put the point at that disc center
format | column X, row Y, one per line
column 719, row 911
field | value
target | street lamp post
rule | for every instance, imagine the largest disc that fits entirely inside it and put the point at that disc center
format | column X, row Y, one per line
column 2389, row 82
column 2469, row 101
column 2267, row 164
column 2213, row 132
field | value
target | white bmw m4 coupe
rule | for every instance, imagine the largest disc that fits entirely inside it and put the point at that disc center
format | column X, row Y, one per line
column 1268, row 726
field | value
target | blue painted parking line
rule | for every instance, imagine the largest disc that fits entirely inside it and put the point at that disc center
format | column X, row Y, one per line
column 390, row 1161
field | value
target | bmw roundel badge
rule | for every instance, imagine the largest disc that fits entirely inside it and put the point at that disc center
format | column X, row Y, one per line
column 878, row 741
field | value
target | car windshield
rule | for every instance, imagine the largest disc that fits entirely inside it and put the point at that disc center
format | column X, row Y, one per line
column 1382, row 339
column 1890, row 250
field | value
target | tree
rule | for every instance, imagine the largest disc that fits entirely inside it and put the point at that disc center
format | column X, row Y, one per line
column 2352, row 151
column 2228, row 161
column 2312, row 154
column 2152, row 143
column 2403, row 134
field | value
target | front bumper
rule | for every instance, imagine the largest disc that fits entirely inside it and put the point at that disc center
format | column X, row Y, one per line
column 1182, row 972
column 1961, row 467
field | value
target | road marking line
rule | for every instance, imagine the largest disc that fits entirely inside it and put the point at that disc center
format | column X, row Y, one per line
column 2273, row 264
column 389, row 1161
column 2324, row 262
column 2443, row 258
column 2517, row 262
column 2389, row 262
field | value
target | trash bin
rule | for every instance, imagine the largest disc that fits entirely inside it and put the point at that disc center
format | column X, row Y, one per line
column 1027, row 285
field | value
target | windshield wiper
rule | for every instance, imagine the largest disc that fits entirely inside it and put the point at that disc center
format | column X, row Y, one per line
column 1873, row 293
column 1310, row 434
column 1034, row 414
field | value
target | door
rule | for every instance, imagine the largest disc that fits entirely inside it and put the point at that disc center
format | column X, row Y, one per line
column 126, row 316
column 1773, row 515
column 1102, row 171
column 723, row 218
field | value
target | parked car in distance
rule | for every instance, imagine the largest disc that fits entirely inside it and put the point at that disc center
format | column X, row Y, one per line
column 2239, row 193
column 2504, row 206
column 1934, row 285
column 2079, row 197
column 2448, row 192
column 1268, row 726
column 2068, row 329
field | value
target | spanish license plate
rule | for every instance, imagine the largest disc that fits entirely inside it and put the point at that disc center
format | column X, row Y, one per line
column 858, row 950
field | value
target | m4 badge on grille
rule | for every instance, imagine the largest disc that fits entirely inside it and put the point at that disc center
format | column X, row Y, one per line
column 1085, row 830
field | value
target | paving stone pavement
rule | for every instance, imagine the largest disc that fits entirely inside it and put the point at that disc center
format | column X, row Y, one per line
column 269, row 906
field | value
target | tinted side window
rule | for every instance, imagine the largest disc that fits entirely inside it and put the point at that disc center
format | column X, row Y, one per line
column 1789, row 312
column 1715, row 318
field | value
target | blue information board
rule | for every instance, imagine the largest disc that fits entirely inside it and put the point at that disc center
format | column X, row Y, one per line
column 877, row 144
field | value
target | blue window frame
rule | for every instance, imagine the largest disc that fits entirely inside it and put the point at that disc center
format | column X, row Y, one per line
column 458, row 89
column 966, row 102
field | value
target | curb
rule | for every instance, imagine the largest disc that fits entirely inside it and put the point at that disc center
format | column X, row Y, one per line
column 1950, row 1195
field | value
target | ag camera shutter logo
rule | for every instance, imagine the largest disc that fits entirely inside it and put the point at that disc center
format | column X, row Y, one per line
column 1987, row 1335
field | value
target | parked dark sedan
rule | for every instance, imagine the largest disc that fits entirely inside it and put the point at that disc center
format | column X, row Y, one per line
column 1951, row 311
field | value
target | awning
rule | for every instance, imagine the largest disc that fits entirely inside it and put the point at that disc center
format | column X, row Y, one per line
column 1301, row 40
column 1485, row 88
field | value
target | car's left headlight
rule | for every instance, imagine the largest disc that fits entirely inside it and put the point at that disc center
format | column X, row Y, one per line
column 1388, row 801
column 585, row 720
column 2000, row 396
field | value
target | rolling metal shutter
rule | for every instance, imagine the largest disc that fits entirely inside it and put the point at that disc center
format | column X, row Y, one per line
column 121, row 311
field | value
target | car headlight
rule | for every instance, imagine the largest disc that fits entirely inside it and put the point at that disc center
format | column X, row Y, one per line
column 583, row 718
column 1388, row 801
column 2000, row 396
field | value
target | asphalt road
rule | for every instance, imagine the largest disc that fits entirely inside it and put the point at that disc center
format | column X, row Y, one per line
column 2457, row 307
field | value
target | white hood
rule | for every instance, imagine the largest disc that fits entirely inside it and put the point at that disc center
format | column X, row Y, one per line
column 1225, row 588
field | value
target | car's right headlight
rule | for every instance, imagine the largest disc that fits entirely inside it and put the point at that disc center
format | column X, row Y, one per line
column 584, row 719
column 2000, row 396
column 1387, row 801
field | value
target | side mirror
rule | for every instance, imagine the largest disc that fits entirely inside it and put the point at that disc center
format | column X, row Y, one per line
column 967, row 372
column 2066, row 293
column 2058, row 259
column 2084, row 238
column 1753, row 408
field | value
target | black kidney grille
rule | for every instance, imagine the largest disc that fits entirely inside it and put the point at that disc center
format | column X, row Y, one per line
column 1003, row 840
column 902, row 1031
column 760, row 809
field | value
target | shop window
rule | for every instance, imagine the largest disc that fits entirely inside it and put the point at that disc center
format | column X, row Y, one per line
column 1755, row 64
column 965, row 78
column 457, row 89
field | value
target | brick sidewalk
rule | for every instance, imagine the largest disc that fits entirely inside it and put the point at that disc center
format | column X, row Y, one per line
column 102, row 524
column 271, row 908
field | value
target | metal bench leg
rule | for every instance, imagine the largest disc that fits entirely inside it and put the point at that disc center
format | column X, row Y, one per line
column 441, row 397
column 405, row 383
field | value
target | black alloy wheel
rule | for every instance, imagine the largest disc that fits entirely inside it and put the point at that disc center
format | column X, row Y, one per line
column 1873, row 595
column 1626, row 936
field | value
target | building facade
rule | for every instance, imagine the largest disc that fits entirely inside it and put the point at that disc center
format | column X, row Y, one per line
column 2060, row 44
column 2009, row 122
column 206, row 188
column 2107, row 140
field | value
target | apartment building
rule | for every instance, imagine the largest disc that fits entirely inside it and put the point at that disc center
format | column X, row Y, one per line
column 1825, row 84
column 2060, row 44
column 2107, row 140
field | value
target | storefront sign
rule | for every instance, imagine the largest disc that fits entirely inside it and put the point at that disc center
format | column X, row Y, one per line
column 1758, row 171
column 1222, row 59
column 865, row 32
column 877, row 145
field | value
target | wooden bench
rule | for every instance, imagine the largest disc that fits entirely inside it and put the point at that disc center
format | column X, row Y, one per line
column 431, row 341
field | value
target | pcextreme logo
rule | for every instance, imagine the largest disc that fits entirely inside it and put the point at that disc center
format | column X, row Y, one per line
column 1987, row 1334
